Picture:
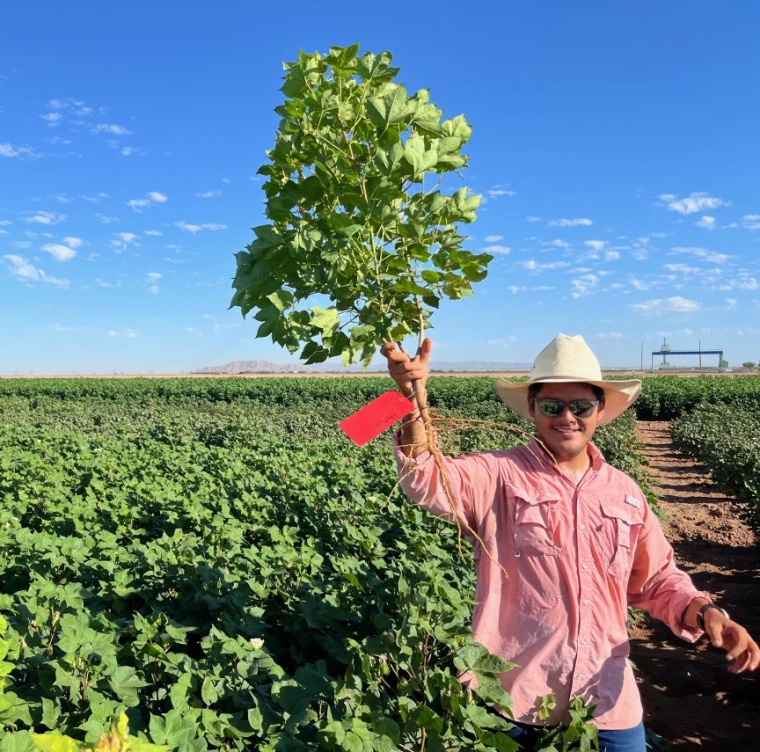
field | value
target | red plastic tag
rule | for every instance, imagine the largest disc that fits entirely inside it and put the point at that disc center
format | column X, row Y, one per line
column 369, row 422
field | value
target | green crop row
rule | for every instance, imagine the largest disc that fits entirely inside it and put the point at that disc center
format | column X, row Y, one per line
column 726, row 439
column 662, row 398
column 669, row 397
column 234, row 574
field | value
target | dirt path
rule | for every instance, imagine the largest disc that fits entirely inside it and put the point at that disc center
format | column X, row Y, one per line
column 689, row 697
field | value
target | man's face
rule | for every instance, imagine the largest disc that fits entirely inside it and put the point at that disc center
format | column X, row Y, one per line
column 566, row 436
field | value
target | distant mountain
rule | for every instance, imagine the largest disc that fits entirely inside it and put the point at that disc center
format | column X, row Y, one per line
column 435, row 367
column 264, row 366
column 253, row 366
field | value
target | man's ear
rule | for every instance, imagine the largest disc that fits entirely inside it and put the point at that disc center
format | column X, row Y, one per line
column 600, row 410
column 532, row 407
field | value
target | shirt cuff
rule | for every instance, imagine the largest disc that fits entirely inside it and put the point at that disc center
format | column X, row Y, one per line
column 683, row 630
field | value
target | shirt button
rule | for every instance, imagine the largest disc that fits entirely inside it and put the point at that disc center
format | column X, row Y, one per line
column 583, row 527
column 584, row 642
column 579, row 677
column 586, row 602
column 517, row 554
column 585, row 565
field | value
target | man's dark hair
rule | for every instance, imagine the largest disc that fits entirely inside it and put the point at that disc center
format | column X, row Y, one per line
column 534, row 389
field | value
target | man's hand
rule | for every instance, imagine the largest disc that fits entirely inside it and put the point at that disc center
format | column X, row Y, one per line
column 743, row 651
column 404, row 370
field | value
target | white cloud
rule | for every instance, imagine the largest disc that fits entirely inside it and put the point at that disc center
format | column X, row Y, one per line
column 611, row 256
column 740, row 283
column 108, row 284
column 580, row 222
column 153, row 197
column 595, row 245
column 514, row 289
column 692, row 204
column 501, row 250
column 73, row 242
column 132, row 151
column 493, row 238
column 534, row 266
column 584, row 285
column 123, row 241
column 675, row 304
column 24, row 152
column 731, row 303
column 52, row 119
column 66, row 103
column 707, row 222
column 154, row 233
column 638, row 284
column 497, row 191
column 708, row 255
column 154, row 289
column 533, row 219
column 682, row 268
column 59, row 252
column 127, row 333
column 610, row 335
column 5, row 222
column 115, row 130
column 559, row 243
column 153, row 276
column 226, row 180
column 197, row 228
column 96, row 199
column 107, row 220
column 20, row 268
column 751, row 221
column 46, row 218
column 208, row 194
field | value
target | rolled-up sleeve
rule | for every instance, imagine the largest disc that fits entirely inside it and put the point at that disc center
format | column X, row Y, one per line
column 471, row 481
column 656, row 584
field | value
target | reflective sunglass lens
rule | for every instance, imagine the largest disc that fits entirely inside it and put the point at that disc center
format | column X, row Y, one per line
column 581, row 408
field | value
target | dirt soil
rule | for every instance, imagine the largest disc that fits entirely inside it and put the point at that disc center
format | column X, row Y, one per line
column 689, row 697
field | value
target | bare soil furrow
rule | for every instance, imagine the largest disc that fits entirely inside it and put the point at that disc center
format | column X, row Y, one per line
column 689, row 697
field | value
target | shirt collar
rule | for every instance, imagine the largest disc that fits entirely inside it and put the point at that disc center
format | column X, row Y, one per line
column 597, row 458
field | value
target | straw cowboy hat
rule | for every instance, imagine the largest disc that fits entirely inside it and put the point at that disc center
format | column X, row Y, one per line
column 568, row 360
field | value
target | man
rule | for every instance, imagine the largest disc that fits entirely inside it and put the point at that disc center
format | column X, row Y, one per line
column 576, row 539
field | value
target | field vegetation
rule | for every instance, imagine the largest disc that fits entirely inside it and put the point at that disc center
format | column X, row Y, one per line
column 217, row 561
column 214, row 559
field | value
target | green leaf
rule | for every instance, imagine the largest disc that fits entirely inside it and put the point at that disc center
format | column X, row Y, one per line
column 55, row 741
column 419, row 156
column 389, row 109
column 172, row 729
column 125, row 682
column 325, row 319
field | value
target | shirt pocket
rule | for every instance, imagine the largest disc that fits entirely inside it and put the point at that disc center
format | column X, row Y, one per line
column 535, row 524
column 622, row 531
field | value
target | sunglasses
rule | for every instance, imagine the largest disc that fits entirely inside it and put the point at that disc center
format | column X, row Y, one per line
column 553, row 408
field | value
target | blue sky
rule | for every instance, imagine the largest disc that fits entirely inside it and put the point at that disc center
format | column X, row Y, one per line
column 615, row 143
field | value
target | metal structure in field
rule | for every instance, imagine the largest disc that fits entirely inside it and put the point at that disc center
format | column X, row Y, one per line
column 665, row 351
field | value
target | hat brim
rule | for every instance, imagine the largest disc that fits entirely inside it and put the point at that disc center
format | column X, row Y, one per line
column 618, row 395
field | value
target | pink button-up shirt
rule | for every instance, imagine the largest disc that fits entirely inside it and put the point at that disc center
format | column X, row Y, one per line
column 576, row 558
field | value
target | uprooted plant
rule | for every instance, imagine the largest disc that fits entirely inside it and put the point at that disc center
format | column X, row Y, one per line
column 363, row 238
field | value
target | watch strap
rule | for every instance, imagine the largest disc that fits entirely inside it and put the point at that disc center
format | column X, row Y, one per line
column 702, row 611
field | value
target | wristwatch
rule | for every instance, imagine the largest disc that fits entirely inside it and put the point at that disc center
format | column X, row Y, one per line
column 702, row 611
